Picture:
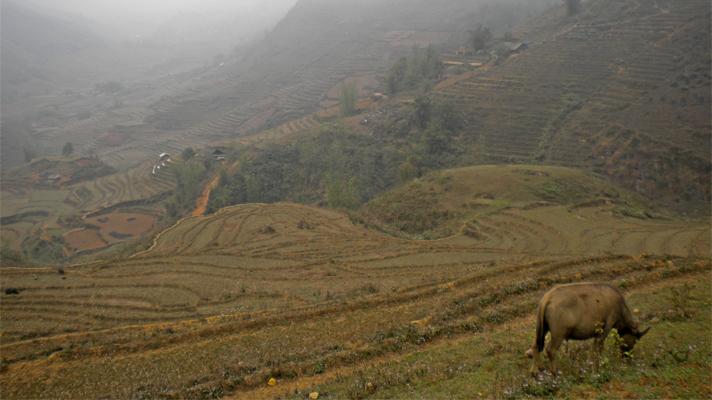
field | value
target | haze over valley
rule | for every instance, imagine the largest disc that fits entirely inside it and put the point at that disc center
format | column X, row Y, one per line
column 351, row 198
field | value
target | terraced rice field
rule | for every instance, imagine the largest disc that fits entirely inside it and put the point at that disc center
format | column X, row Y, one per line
column 220, row 303
column 612, row 66
column 32, row 211
column 138, row 183
column 39, row 207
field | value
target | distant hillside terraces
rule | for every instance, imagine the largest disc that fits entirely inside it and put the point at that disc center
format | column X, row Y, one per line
column 622, row 88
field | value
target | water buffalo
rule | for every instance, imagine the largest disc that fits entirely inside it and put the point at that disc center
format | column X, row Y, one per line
column 581, row 311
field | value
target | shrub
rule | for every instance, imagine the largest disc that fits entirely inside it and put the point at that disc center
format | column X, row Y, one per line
column 347, row 99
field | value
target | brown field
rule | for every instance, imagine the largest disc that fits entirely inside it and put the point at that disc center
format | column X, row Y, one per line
column 40, row 209
column 222, row 302
column 125, row 223
column 108, row 229
column 84, row 239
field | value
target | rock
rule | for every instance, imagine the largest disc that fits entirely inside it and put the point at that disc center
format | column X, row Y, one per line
column 370, row 387
column 314, row 395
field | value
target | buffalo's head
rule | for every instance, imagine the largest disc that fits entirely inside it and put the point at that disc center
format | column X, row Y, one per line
column 629, row 340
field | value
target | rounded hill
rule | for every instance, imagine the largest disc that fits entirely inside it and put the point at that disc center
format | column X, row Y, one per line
column 437, row 204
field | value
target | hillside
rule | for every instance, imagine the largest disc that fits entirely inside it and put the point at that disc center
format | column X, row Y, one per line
column 317, row 46
column 438, row 203
column 455, row 202
column 64, row 82
column 31, row 39
column 623, row 88
column 220, row 303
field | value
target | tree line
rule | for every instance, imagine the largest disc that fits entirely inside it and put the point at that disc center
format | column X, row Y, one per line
column 414, row 71
column 344, row 169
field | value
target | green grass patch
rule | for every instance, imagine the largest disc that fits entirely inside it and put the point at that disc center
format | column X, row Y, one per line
column 437, row 204
column 672, row 361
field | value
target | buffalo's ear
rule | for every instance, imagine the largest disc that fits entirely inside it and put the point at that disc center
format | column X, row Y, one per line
column 642, row 333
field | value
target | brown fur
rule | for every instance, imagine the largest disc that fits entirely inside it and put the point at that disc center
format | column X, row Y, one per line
column 582, row 311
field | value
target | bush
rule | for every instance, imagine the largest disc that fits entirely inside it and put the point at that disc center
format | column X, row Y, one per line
column 480, row 37
column 414, row 71
column 189, row 178
column 187, row 153
column 68, row 149
column 347, row 99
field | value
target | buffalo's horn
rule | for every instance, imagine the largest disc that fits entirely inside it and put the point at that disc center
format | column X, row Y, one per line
column 641, row 334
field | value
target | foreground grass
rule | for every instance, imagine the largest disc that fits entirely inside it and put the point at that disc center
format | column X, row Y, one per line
column 673, row 361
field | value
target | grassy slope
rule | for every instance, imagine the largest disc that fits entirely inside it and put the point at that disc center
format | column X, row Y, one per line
column 437, row 204
column 223, row 303
column 673, row 361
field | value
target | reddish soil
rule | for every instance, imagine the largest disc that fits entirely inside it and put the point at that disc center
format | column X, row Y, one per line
column 113, row 139
column 122, row 224
column 112, row 228
column 84, row 239
column 201, row 205
column 84, row 162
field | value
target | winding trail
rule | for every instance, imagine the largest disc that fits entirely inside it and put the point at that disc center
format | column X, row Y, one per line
column 201, row 205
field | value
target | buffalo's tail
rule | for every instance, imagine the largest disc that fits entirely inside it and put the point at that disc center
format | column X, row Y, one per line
column 541, row 327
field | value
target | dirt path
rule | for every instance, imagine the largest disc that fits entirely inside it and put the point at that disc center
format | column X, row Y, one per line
column 201, row 205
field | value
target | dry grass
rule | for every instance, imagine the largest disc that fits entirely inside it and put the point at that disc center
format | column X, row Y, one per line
column 225, row 301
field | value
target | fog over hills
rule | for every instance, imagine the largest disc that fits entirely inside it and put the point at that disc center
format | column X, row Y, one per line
column 354, row 199
column 134, row 19
column 59, row 49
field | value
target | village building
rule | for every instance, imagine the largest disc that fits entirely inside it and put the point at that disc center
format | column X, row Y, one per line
column 219, row 155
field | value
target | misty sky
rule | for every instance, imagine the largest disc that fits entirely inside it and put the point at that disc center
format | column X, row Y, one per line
column 142, row 17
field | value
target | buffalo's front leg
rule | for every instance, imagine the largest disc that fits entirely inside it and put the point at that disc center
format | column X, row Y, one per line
column 533, row 353
column 551, row 350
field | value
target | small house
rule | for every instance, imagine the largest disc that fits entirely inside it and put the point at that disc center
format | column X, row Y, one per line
column 54, row 177
column 516, row 47
column 464, row 51
column 218, row 155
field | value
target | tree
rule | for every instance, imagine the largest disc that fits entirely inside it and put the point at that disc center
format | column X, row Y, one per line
column 187, row 153
column 480, row 37
column 396, row 75
column 29, row 154
column 342, row 193
column 68, row 149
column 573, row 6
column 407, row 171
column 189, row 177
column 347, row 98
column 422, row 111
column 446, row 113
column 415, row 71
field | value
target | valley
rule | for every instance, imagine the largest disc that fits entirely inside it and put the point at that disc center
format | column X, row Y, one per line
column 364, row 201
